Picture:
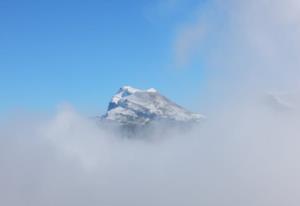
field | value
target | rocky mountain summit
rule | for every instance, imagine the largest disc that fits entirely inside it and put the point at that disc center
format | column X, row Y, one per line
column 131, row 106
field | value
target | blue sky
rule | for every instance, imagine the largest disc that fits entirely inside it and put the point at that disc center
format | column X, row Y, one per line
column 81, row 52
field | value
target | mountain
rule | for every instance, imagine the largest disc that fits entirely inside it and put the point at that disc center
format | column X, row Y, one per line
column 131, row 106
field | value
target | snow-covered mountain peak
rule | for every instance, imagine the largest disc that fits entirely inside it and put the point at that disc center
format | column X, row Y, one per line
column 151, row 90
column 128, row 89
column 139, row 107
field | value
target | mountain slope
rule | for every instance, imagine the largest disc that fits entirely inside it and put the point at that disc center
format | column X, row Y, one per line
column 131, row 106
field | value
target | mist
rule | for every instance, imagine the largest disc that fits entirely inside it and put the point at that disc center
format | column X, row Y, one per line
column 245, row 153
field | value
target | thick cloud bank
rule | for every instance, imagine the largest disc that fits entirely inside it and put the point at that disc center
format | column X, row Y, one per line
column 246, row 153
column 246, row 156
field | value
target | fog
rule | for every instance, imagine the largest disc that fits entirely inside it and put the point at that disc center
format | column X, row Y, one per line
column 245, row 153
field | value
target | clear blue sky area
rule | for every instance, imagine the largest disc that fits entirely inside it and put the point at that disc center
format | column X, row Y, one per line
column 81, row 52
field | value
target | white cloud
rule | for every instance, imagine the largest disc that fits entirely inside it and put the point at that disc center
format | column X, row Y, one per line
column 187, row 43
column 247, row 155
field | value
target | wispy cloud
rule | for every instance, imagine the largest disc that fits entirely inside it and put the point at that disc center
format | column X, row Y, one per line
column 187, row 43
